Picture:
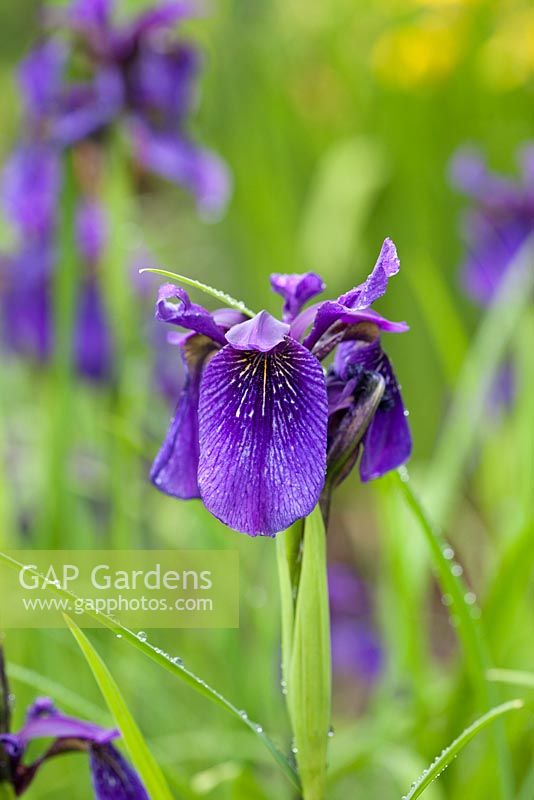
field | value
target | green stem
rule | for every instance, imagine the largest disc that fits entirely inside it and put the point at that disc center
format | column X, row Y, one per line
column 57, row 519
column 306, row 645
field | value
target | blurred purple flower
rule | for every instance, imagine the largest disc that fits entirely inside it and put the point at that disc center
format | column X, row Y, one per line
column 91, row 230
column 26, row 300
column 137, row 71
column 356, row 648
column 499, row 221
column 30, row 188
column 93, row 349
column 113, row 778
column 251, row 433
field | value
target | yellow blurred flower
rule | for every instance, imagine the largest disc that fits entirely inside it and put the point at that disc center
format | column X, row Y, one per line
column 419, row 53
column 507, row 59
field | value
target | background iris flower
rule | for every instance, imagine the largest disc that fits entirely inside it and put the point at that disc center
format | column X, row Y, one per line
column 90, row 79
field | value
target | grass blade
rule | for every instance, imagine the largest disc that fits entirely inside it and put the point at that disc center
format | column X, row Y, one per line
column 464, row 613
column 480, row 367
column 227, row 299
column 512, row 676
column 141, row 757
column 64, row 697
column 444, row 759
column 173, row 666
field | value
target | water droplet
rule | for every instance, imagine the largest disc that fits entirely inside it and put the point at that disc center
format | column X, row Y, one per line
column 331, row 732
column 178, row 661
column 447, row 600
column 448, row 553
column 294, row 750
column 243, row 715
column 118, row 635
column 259, row 729
column 406, row 412
column 142, row 636
column 457, row 570
column 403, row 474
column 470, row 598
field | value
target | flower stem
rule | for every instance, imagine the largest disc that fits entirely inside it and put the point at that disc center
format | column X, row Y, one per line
column 306, row 647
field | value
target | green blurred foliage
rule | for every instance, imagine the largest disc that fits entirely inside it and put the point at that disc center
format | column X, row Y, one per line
column 337, row 120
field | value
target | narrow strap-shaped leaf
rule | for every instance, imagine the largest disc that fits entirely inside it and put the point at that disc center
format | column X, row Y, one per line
column 288, row 546
column 46, row 687
column 446, row 756
column 465, row 615
column 512, row 676
column 461, row 430
column 142, row 759
column 227, row 299
column 171, row 665
column 309, row 680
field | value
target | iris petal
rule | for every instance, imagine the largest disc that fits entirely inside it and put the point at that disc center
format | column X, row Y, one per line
column 175, row 468
column 366, row 293
column 113, row 778
column 387, row 442
column 262, row 427
column 296, row 290
column 261, row 333
column 187, row 314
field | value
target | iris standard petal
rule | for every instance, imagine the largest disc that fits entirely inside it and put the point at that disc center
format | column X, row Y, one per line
column 296, row 289
column 262, row 426
column 366, row 293
column 163, row 82
column 261, row 333
column 163, row 15
column 113, row 778
column 175, row 468
column 187, row 314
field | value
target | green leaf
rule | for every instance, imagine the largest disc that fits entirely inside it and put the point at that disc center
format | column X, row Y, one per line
column 203, row 287
column 6, row 792
column 512, row 676
column 288, row 546
column 65, row 697
column 173, row 666
column 309, row 680
column 464, row 615
column 466, row 415
column 444, row 759
column 141, row 757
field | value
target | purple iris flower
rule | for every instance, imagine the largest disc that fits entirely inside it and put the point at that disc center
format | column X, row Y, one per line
column 93, row 346
column 258, row 423
column 30, row 188
column 137, row 72
column 498, row 224
column 113, row 778
column 356, row 648
column 26, row 300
